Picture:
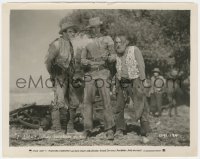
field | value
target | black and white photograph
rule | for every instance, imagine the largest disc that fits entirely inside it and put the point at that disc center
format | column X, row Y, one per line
column 100, row 77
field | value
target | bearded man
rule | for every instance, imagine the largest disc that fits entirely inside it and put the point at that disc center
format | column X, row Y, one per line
column 131, row 77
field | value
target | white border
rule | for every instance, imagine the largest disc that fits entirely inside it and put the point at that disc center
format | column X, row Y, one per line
column 8, row 66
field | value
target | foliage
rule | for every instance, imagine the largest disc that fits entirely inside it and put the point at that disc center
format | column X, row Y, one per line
column 163, row 36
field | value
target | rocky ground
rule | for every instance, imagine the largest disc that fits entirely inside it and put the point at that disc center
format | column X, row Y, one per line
column 166, row 131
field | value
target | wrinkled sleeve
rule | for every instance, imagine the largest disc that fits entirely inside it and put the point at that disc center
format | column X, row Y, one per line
column 111, row 56
column 52, row 53
column 110, row 43
column 141, row 64
column 111, row 49
column 84, row 60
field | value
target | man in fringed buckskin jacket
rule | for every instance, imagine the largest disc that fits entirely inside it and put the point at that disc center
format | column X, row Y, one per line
column 60, row 65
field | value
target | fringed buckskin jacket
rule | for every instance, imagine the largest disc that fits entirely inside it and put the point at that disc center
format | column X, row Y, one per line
column 60, row 54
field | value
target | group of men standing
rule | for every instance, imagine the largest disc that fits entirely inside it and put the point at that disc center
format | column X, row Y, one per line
column 92, row 66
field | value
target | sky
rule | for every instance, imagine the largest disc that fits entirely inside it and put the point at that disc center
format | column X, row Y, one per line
column 31, row 32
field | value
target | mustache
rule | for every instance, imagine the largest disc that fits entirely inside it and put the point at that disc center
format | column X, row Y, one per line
column 118, row 47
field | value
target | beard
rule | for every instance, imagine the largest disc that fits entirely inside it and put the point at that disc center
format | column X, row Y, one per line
column 120, row 50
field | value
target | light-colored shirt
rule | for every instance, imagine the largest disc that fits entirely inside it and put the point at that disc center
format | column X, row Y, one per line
column 98, row 48
column 79, row 43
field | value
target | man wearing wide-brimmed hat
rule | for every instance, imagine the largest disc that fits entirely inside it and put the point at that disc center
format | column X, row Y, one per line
column 157, row 90
column 95, row 58
column 60, row 65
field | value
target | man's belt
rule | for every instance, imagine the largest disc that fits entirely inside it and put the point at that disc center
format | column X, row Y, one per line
column 98, row 68
column 99, row 59
column 125, row 80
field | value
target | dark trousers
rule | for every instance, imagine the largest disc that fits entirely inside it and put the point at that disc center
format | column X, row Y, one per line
column 135, row 90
